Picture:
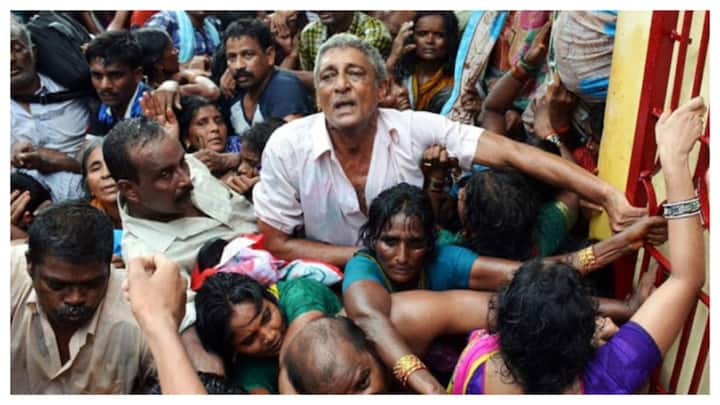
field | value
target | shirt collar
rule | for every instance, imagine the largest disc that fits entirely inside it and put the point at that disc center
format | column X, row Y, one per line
column 89, row 328
column 320, row 136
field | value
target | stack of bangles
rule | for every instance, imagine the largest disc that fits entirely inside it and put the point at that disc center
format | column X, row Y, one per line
column 681, row 209
column 587, row 258
column 405, row 366
column 554, row 136
column 521, row 70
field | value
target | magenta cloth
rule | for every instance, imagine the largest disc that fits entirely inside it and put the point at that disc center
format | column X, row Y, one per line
column 621, row 366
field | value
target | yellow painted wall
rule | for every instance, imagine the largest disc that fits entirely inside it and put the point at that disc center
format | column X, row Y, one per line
column 626, row 76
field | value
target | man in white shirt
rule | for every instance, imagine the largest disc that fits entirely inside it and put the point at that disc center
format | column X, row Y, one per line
column 170, row 203
column 45, row 139
column 320, row 173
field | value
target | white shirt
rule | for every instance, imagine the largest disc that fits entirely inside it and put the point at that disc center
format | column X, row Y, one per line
column 60, row 126
column 303, row 183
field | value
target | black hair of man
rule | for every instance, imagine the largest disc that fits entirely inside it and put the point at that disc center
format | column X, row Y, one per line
column 249, row 27
column 119, row 47
column 152, row 43
column 24, row 182
column 72, row 231
column 214, row 304
column 258, row 134
column 310, row 360
column 132, row 133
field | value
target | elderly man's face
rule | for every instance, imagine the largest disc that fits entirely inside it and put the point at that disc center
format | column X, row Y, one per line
column 22, row 64
column 164, row 185
column 347, row 91
column 69, row 293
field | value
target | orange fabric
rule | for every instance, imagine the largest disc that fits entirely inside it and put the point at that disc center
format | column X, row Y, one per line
column 422, row 94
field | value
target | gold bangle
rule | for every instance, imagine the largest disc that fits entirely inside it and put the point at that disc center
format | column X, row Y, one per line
column 587, row 257
column 405, row 366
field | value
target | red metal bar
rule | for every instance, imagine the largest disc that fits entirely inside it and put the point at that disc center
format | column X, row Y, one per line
column 702, row 357
column 682, row 55
column 702, row 54
column 655, row 78
column 682, row 348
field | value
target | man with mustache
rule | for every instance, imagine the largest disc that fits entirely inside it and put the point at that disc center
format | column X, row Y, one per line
column 72, row 331
column 321, row 172
column 170, row 203
column 254, row 90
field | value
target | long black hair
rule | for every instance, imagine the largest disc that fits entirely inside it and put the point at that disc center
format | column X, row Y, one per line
column 545, row 320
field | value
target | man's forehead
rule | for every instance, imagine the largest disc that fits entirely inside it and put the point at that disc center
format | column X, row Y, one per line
column 156, row 154
column 102, row 64
column 344, row 56
column 243, row 41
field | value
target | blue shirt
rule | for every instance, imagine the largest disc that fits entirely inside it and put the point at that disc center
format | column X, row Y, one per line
column 283, row 95
column 449, row 270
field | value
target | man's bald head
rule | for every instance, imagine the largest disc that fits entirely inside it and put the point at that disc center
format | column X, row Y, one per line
column 331, row 355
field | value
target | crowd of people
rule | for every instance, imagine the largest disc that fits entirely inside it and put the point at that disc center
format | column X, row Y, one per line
column 331, row 202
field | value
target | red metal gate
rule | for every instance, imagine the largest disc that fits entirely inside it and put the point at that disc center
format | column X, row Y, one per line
column 640, row 191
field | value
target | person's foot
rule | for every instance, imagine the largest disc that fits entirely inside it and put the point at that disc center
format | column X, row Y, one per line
column 645, row 287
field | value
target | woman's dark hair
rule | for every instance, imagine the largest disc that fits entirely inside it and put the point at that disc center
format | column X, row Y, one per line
column 214, row 304
column 84, row 157
column 545, row 320
column 152, row 44
column 548, row 192
column 400, row 199
column 452, row 41
column 501, row 208
column 190, row 106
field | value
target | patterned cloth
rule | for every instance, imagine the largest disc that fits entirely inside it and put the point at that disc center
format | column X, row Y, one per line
column 621, row 366
column 367, row 28
column 204, row 43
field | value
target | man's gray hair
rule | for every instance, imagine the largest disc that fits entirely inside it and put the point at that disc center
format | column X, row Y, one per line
column 19, row 30
column 345, row 40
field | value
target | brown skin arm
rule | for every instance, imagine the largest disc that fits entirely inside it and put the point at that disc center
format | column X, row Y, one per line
column 285, row 247
column 499, row 100
column 491, row 273
column 497, row 151
column 421, row 316
column 665, row 311
column 369, row 305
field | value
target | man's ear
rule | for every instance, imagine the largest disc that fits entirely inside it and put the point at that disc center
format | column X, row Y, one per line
column 383, row 89
column 270, row 55
column 138, row 74
column 127, row 190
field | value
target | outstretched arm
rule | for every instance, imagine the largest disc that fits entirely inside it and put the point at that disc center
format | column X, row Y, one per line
column 286, row 247
column 664, row 312
column 369, row 305
column 156, row 292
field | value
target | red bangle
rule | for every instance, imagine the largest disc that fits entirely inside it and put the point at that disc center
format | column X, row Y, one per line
column 519, row 73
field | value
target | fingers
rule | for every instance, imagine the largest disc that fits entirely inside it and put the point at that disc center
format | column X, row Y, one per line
column 18, row 205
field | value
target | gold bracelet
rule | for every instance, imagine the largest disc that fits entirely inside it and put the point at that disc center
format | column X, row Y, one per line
column 405, row 366
column 587, row 257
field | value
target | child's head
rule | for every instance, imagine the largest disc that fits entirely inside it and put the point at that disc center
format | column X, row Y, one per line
column 253, row 143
